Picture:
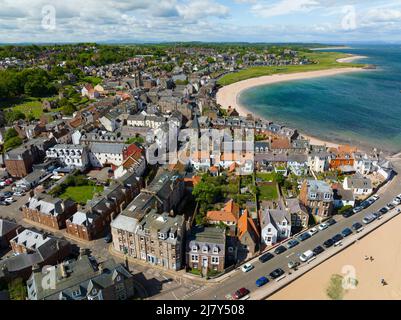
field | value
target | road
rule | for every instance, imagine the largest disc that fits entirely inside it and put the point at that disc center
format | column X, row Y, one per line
column 238, row 279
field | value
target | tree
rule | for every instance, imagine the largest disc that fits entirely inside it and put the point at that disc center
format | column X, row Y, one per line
column 10, row 133
column 14, row 115
column 12, row 143
column 68, row 109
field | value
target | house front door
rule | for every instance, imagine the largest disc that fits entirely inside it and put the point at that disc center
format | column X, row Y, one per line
column 204, row 262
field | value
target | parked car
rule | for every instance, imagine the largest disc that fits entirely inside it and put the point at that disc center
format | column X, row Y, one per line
column 293, row 264
column 108, row 238
column 313, row 231
column 331, row 221
column 328, row 243
column 383, row 210
column 377, row 197
column 357, row 226
column 318, row 250
column 348, row 213
column 306, row 255
column 277, row 273
column 247, row 267
column 304, row 236
column 6, row 194
column 377, row 215
column 9, row 200
column 266, row 257
column 323, row 226
column 346, row 232
column 337, row 237
column 19, row 194
column 240, row 293
column 292, row 243
column 368, row 218
column 280, row 250
column 390, row 206
column 357, row 209
column 396, row 201
column 4, row 203
column 261, row 281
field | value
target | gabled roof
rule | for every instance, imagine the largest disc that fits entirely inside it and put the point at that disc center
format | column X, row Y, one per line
column 230, row 212
column 246, row 224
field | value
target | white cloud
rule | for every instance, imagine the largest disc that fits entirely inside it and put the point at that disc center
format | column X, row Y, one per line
column 283, row 7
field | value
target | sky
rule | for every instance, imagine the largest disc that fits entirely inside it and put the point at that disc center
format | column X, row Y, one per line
column 328, row 21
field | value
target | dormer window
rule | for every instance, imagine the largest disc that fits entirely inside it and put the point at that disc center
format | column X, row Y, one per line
column 312, row 195
column 195, row 248
column 327, row 196
column 215, row 250
column 172, row 235
column 205, row 249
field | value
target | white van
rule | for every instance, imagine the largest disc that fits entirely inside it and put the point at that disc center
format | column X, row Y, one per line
column 306, row 255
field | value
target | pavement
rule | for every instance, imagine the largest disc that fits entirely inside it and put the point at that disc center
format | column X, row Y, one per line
column 223, row 289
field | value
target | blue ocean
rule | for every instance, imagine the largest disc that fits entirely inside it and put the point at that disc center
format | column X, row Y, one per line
column 362, row 108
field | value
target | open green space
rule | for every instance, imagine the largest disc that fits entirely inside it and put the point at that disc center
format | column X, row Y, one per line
column 323, row 60
column 81, row 194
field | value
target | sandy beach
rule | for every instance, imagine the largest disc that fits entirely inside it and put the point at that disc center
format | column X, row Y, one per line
column 383, row 244
column 351, row 58
column 228, row 95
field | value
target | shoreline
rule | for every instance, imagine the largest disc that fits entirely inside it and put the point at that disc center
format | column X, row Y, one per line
column 229, row 95
column 330, row 48
column 351, row 58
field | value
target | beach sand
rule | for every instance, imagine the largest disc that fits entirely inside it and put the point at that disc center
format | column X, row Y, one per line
column 383, row 244
column 351, row 58
column 228, row 95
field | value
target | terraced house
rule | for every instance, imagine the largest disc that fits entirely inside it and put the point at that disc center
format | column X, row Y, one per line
column 49, row 211
column 317, row 197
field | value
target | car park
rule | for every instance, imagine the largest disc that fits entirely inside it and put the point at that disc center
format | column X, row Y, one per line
column 357, row 226
column 328, row 243
column 276, row 273
column 240, row 293
column 346, row 232
column 292, row 243
column 261, row 281
column 323, row 226
column 306, row 255
column 304, row 236
column 293, row 264
column 313, row 231
column 247, row 267
column 280, row 250
column 368, row 218
column 318, row 250
column 266, row 257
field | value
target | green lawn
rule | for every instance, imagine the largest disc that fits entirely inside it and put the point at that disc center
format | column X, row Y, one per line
column 27, row 106
column 266, row 176
column 326, row 60
column 268, row 192
column 81, row 194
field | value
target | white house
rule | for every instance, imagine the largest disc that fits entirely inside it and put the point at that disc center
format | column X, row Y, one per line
column 364, row 164
column 102, row 154
column 73, row 156
column 275, row 225
column 360, row 185
column 319, row 161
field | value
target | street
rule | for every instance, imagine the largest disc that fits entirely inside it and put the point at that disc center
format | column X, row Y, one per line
column 238, row 279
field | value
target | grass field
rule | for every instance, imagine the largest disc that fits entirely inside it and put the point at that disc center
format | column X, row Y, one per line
column 268, row 192
column 27, row 106
column 325, row 60
column 81, row 194
column 266, row 176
